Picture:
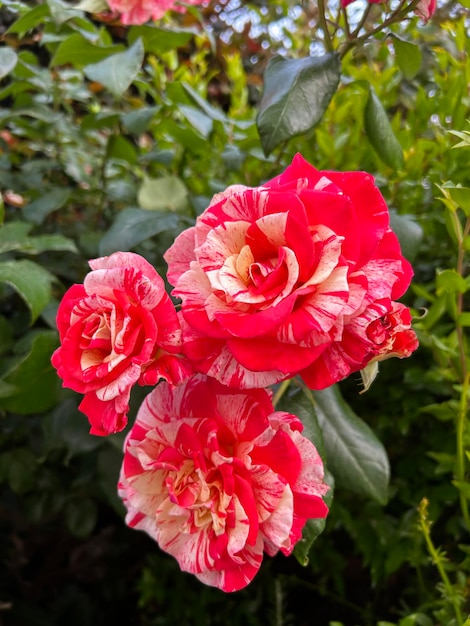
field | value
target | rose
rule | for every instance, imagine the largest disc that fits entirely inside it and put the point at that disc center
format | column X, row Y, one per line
column 140, row 11
column 425, row 9
column 216, row 476
column 117, row 329
column 273, row 279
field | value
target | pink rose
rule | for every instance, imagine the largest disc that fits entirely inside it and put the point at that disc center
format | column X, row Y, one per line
column 117, row 329
column 425, row 9
column 216, row 476
column 140, row 11
column 272, row 278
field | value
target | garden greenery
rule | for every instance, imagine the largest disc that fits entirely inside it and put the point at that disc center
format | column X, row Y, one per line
column 116, row 134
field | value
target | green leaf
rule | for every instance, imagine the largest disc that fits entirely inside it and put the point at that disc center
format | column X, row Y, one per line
column 92, row 6
column 133, row 226
column 408, row 55
column 138, row 121
column 13, row 236
column 450, row 281
column 81, row 516
column 33, row 376
column 6, row 389
column 8, row 60
column 29, row 20
column 296, row 95
column 354, row 455
column 167, row 193
column 380, row 133
column 50, row 201
column 70, row 427
column 31, row 281
column 461, row 195
column 160, row 40
column 313, row 527
column 118, row 71
column 62, row 12
column 300, row 402
column 79, row 51
column 409, row 233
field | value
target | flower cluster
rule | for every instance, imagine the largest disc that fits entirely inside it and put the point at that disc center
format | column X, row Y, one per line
column 297, row 277
column 141, row 11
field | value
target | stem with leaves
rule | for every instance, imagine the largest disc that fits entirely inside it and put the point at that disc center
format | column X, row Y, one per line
column 438, row 558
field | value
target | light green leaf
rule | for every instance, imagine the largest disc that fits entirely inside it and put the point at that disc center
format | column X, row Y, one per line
column 133, row 226
column 354, row 455
column 92, row 6
column 118, row 71
column 8, row 60
column 50, row 201
column 201, row 122
column 62, row 12
column 461, row 195
column 31, row 281
column 450, row 281
column 380, row 133
column 369, row 374
column 296, row 95
column 167, row 193
column 408, row 55
column 31, row 373
column 79, row 51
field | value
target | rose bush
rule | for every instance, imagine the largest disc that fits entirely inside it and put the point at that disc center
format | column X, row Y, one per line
column 286, row 279
column 140, row 11
column 117, row 329
column 216, row 476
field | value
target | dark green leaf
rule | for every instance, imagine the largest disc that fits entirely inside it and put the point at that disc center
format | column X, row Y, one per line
column 408, row 55
column 380, row 133
column 50, row 201
column 71, row 428
column 8, row 60
column 301, row 403
column 133, row 226
column 296, row 95
column 409, row 233
column 313, row 527
column 354, row 455
column 33, row 376
column 22, row 466
column 160, row 40
column 118, row 71
column 30, row 280
column 80, row 516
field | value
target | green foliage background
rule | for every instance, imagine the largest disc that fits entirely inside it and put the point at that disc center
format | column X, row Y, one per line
column 115, row 138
